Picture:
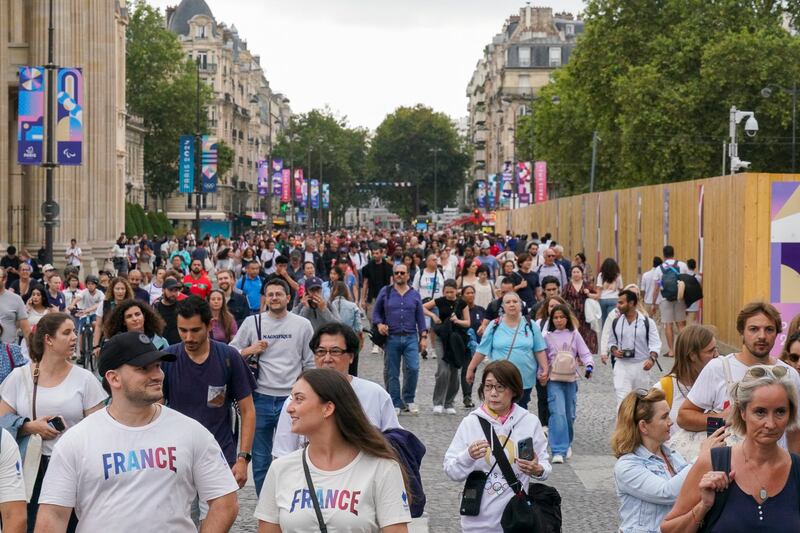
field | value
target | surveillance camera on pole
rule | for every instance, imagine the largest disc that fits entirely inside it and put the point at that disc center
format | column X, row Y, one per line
column 750, row 129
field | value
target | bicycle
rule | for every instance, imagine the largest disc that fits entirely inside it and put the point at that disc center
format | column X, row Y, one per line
column 87, row 342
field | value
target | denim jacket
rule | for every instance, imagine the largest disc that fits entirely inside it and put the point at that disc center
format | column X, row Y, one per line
column 645, row 489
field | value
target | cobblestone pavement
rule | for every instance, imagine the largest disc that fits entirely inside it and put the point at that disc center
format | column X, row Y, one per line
column 585, row 482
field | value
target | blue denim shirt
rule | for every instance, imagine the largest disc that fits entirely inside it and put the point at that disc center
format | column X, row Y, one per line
column 645, row 489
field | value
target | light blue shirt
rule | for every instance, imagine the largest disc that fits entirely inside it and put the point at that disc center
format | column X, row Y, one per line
column 646, row 490
column 496, row 343
column 349, row 313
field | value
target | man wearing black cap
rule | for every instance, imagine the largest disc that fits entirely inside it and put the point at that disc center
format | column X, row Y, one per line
column 313, row 306
column 165, row 306
column 282, row 273
column 136, row 461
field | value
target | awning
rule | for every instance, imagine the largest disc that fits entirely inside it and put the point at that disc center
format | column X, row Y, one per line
column 204, row 215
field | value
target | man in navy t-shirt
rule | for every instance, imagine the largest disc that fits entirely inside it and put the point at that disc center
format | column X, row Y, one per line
column 206, row 378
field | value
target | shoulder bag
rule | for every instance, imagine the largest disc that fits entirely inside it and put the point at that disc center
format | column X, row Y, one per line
column 252, row 360
column 475, row 485
column 33, row 452
column 313, row 493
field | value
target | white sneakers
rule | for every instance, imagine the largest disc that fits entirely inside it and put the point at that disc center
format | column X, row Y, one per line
column 450, row 411
column 569, row 452
column 558, row 460
column 375, row 349
column 438, row 409
column 413, row 409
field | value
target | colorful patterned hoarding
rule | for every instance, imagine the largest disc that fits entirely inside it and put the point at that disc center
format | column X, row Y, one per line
column 313, row 193
column 286, row 186
column 69, row 116
column 480, row 194
column 785, row 254
column 209, row 164
column 30, row 113
column 540, row 181
column 186, row 165
column 263, row 178
column 326, row 195
column 524, row 183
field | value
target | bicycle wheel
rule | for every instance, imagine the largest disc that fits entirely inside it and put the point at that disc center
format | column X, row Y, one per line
column 87, row 341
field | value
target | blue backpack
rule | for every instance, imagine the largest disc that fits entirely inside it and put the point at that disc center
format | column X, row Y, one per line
column 669, row 282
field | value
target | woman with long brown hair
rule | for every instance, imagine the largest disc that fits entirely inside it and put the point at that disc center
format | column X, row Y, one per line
column 346, row 456
column 135, row 315
column 223, row 324
column 117, row 292
column 50, row 388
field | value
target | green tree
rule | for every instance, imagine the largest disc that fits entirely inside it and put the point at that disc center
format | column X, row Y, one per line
column 162, row 89
column 655, row 80
column 403, row 150
column 321, row 135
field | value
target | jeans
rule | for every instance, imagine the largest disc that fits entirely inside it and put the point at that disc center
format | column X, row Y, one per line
column 268, row 409
column 561, row 399
column 446, row 384
column 606, row 305
column 405, row 347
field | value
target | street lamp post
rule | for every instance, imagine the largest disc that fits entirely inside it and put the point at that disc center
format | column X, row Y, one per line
column 319, row 186
column 766, row 92
column 198, row 154
column 50, row 207
column 435, row 152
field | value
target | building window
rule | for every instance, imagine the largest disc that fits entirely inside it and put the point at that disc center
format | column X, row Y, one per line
column 200, row 31
column 524, row 56
column 203, row 57
column 555, row 56
column 570, row 30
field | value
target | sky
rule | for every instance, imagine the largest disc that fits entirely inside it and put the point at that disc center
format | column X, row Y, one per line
column 365, row 58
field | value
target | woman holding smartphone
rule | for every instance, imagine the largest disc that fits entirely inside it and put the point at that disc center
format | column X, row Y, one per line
column 51, row 392
column 518, row 431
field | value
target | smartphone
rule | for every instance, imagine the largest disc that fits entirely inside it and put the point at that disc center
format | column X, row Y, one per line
column 57, row 423
column 525, row 449
column 713, row 423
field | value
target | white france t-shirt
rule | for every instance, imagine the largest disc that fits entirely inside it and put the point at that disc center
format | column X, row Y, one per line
column 77, row 393
column 710, row 393
column 374, row 399
column 364, row 496
column 118, row 477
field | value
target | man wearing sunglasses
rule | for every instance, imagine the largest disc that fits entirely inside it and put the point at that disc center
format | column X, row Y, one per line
column 399, row 315
column 759, row 324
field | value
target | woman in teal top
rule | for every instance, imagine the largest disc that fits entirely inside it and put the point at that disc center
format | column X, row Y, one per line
column 515, row 338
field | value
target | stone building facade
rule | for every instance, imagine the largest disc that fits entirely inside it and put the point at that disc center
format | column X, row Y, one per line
column 505, row 83
column 90, row 196
column 245, row 113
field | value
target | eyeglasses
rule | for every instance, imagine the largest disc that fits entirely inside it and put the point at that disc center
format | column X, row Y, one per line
column 335, row 352
column 400, row 273
column 487, row 387
column 759, row 371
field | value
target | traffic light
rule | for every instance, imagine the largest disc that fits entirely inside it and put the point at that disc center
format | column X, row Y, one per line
column 284, row 207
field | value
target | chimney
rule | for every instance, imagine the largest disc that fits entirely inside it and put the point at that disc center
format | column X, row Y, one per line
column 168, row 12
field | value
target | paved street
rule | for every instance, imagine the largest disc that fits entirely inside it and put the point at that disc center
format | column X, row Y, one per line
column 585, row 482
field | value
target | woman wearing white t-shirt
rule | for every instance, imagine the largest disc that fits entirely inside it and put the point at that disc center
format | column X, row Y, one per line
column 51, row 387
column 695, row 347
column 609, row 281
column 349, row 462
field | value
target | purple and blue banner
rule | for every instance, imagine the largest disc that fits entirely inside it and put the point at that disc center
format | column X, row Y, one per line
column 326, row 195
column 785, row 253
column 508, row 181
column 186, row 164
column 304, row 194
column 69, row 116
column 277, row 176
column 30, row 113
column 263, row 178
column 480, row 194
column 313, row 193
column 209, row 164
column 491, row 191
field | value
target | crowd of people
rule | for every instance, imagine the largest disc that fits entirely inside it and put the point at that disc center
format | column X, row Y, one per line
column 220, row 357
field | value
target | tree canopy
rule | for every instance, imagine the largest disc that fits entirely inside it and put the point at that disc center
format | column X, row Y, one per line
column 656, row 80
column 162, row 90
column 409, row 146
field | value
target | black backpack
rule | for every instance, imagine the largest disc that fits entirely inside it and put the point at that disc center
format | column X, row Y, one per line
column 669, row 282
column 692, row 290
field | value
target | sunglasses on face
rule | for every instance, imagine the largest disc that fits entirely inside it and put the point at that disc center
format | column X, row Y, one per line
column 400, row 273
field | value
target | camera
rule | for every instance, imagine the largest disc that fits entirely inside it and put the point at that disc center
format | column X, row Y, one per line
column 628, row 354
column 751, row 127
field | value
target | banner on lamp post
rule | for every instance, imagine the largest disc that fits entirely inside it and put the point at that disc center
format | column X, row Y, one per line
column 524, row 182
column 30, row 116
column 480, row 194
column 209, row 161
column 508, row 181
column 286, row 186
column 277, row 173
column 304, row 190
column 263, row 178
column 186, row 165
column 69, row 116
column 314, row 193
column 491, row 191
column 298, row 185
column 540, row 181
column 326, row 195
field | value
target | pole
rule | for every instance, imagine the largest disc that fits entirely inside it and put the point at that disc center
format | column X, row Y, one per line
column 269, row 193
column 50, row 207
column 198, row 179
column 319, row 190
column 724, row 156
column 594, row 161
column 435, row 181
column 292, row 224
column 794, row 123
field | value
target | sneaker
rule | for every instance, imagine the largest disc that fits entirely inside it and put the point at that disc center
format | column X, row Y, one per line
column 545, row 429
column 375, row 349
column 558, row 460
column 431, row 354
column 468, row 403
column 397, row 411
column 569, row 452
column 424, row 354
column 450, row 411
column 438, row 409
column 413, row 409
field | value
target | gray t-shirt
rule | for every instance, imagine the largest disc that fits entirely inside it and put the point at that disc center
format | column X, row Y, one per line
column 12, row 310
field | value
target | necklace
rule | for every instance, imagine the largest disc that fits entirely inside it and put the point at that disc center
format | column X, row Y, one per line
column 763, row 492
column 155, row 412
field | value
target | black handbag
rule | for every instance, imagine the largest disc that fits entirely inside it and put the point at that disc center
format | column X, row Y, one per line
column 378, row 339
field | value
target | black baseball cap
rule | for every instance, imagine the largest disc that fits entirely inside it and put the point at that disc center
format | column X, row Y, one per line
column 130, row 348
column 313, row 283
column 171, row 283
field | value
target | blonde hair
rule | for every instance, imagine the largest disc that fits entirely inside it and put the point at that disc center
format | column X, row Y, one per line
column 741, row 394
column 626, row 437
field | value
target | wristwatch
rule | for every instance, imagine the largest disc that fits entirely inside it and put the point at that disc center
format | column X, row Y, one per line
column 246, row 456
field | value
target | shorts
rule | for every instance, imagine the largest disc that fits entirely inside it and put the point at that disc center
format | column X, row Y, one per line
column 672, row 311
